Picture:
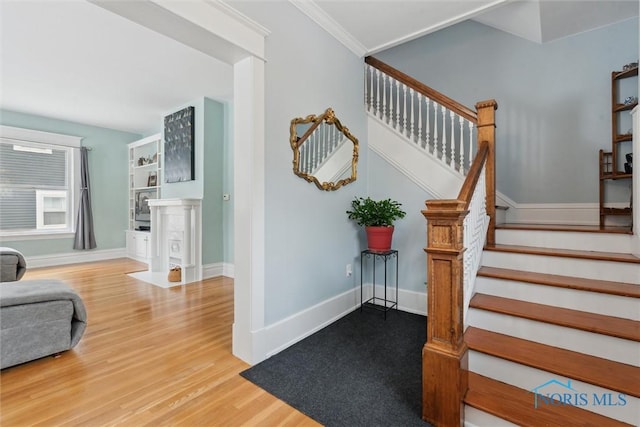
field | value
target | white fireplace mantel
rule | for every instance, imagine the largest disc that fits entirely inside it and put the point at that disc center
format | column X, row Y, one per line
column 176, row 240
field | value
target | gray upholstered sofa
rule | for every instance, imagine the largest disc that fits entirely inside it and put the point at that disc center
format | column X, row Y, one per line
column 38, row 318
column 12, row 265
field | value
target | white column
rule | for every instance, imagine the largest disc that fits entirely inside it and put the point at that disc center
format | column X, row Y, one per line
column 249, row 209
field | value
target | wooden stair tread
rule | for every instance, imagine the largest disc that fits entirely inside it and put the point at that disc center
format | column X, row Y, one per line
column 590, row 322
column 561, row 227
column 517, row 406
column 567, row 253
column 578, row 283
column 578, row 366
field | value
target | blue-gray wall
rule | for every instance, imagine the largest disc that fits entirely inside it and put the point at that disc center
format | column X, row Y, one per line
column 213, row 167
column 108, row 175
column 554, row 100
column 210, row 142
column 309, row 239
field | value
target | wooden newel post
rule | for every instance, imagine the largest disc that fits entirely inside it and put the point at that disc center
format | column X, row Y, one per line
column 486, row 111
column 444, row 361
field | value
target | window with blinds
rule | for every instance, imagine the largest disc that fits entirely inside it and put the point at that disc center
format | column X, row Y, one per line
column 35, row 187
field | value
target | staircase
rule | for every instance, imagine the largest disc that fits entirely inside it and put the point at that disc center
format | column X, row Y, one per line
column 547, row 330
column 558, row 316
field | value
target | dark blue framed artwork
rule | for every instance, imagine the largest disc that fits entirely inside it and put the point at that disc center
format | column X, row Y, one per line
column 179, row 136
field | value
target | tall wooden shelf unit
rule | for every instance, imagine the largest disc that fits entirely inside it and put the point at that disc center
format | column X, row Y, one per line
column 612, row 162
column 145, row 178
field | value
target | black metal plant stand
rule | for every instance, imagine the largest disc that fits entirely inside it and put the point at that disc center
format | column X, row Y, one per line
column 382, row 304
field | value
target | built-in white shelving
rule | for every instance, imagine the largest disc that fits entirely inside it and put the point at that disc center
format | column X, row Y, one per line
column 145, row 179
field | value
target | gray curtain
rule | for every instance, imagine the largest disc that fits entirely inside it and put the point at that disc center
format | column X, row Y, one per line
column 85, row 238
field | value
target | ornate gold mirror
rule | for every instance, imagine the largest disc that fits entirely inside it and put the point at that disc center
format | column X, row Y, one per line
column 324, row 151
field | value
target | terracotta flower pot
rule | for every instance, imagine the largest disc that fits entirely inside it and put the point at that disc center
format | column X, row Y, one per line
column 379, row 238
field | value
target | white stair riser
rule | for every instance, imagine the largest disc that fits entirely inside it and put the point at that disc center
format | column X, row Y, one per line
column 529, row 378
column 593, row 302
column 600, row 242
column 586, row 268
column 604, row 346
column 474, row 417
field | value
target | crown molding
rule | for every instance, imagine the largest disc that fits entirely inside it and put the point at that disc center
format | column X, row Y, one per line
column 326, row 22
column 235, row 14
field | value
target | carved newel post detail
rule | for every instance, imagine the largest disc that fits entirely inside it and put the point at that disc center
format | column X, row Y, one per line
column 487, row 132
column 444, row 362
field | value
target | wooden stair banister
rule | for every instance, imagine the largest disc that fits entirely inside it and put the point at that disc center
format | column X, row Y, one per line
column 444, row 356
column 422, row 88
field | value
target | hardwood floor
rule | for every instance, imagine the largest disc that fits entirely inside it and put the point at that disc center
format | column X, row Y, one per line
column 149, row 356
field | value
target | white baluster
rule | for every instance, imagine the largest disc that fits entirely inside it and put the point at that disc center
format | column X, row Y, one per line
column 453, row 140
column 404, row 108
column 397, row 126
column 384, row 97
column 420, row 119
column 412, row 118
column 377, row 92
column 428, row 132
column 461, row 164
column 371, row 91
column 437, row 151
column 470, row 143
column 390, row 103
column 445, row 140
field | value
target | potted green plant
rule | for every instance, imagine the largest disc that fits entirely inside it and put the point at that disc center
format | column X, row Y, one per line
column 377, row 216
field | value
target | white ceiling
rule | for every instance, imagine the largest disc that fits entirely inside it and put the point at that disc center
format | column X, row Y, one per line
column 74, row 60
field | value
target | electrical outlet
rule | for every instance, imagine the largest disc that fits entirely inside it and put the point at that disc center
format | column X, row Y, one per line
column 349, row 270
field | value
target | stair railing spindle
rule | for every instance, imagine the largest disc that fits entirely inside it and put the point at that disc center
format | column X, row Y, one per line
column 412, row 118
column 397, row 124
column 420, row 97
column 391, row 84
column 383, row 109
column 461, row 163
column 436, row 140
column 428, row 131
column 470, row 143
column 445, row 141
column 404, row 109
column 453, row 139
column 377, row 110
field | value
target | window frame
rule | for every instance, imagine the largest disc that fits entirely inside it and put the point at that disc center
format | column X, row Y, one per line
column 35, row 138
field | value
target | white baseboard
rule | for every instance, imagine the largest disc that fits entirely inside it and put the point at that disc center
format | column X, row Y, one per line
column 562, row 213
column 409, row 301
column 228, row 270
column 294, row 328
column 74, row 257
column 217, row 269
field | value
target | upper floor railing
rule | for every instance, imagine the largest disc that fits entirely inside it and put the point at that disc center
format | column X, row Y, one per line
column 432, row 121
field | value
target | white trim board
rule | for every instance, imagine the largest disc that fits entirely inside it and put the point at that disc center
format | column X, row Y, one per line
column 561, row 213
column 298, row 326
column 38, row 261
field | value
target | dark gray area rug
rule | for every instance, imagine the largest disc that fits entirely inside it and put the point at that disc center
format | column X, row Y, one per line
column 361, row 370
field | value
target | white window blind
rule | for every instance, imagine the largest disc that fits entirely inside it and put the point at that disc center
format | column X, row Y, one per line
column 36, row 186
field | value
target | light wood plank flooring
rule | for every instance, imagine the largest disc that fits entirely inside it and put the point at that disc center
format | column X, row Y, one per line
column 149, row 357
